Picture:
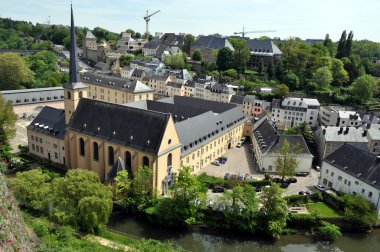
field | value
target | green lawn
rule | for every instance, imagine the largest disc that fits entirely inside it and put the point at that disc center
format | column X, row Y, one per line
column 323, row 209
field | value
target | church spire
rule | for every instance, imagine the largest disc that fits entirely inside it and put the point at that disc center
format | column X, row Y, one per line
column 73, row 72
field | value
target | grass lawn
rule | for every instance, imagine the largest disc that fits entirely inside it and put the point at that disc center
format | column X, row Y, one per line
column 323, row 209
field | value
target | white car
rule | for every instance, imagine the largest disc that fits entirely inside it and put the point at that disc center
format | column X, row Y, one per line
column 238, row 145
column 215, row 162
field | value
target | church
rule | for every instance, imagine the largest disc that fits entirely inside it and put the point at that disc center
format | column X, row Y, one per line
column 109, row 135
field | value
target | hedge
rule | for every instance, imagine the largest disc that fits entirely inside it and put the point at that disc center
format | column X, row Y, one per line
column 303, row 221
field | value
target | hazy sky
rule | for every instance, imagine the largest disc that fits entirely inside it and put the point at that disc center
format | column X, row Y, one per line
column 301, row 18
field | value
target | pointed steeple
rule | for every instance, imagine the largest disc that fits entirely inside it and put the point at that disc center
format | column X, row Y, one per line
column 74, row 70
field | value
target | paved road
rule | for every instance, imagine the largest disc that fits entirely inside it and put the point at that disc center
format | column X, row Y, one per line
column 21, row 136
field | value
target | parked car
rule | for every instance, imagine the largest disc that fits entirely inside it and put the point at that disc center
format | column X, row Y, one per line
column 320, row 187
column 277, row 180
column 284, row 185
column 238, row 145
column 227, row 176
column 218, row 189
column 223, row 159
column 215, row 162
column 258, row 189
column 291, row 180
column 318, row 168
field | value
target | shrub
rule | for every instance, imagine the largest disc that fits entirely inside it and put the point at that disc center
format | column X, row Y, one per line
column 303, row 221
column 41, row 227
column 317, row 196
column 296, row 200
column 260, row 183
column 329, row 232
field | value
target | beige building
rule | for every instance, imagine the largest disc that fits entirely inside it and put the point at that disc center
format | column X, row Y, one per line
column 157, row 83
column 114, row 89
column 175, row 88
column 218, row 92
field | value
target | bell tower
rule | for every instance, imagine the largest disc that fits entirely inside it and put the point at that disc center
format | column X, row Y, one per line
column 74, row 90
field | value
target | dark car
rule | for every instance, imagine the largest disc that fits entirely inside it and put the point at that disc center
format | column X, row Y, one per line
column 258, row 189
column 277, row 180
column 218, row 189
column 291, row 180
column 284, row 185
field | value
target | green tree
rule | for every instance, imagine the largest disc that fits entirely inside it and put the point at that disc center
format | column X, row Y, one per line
column 274, row 211
column 282, row 90
column 231, row 73
column 279, row 71
column 241, row 54
column 359, row 213
column 175, row 61
column 329, row 232
column 81, row 200
column 241, row 197
column 270, row 70
column 291, row 80
column 197, row 55
column 286, row 160
column 125, row 60
column 329, row 44
column 7, row 121
column 323, row 77
column 339, row 74
column 32, row 189
column 364, row 87
column 13, row 71
column 341, row 45
column 261, row 67
column 188, row 42
column 224, row 59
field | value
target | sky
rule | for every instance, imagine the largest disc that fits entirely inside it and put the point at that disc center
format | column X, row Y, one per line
column 289, row 18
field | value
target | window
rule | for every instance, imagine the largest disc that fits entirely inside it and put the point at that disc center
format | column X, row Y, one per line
column 145, row 161
column 327, row 171
column 270, row 168
column 68, row 95
column 345, row 181
column 111, row 160
column 81, row 147
column 37, row 148
column 363, row 190
column 95, row 147
column 169, row 161
column 332, row 174
column 340, row 178
column 369, row 194
column 356, row 183
column 349, row 183
column 40, row 140
column 33, row 147
column 42, row 150
column 32, row 137
column 55, row 155
column 128, row 159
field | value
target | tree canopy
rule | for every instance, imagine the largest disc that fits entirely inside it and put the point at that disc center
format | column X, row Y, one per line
column 7, row 121
column 286, row 160
column 14, row 71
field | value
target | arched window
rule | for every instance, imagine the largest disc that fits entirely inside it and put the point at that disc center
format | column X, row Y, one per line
column 81, row 147
column 170, row 160
column 68, row 95
column 145, row 161
column 128, row 159
column 80, row 94
column 96, row 151
column 110, row 156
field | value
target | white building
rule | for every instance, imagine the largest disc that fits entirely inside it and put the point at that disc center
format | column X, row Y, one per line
column 294, row 111
column 127, row 44
column 352, row 169
column 329, row 138
column 373, row 137
column 267, row 141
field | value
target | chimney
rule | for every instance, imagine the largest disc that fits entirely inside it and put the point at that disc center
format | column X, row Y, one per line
column 340, row 130
column 368, row 125
column 347, row 130
column 364, row 133
column 324, row 131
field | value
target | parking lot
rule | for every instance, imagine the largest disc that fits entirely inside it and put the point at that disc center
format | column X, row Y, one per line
column 21, row 137
column 239, row 161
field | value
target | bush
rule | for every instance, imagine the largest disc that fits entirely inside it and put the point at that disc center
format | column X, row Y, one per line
column 210, row 181
column 260, row 183
column 329, row 232
column 297, row 200
column 317, row 196
column 303, row 221
column 41, row 227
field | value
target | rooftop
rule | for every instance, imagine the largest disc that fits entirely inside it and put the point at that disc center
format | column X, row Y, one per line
column 263, row 46
column 344, row 134
column 213, row 42
column 50, row 121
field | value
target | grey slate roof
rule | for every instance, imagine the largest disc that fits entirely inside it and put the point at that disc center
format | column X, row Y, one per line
column 213, row 42
column 221, row 88
column 190, row 83
column 127, row 126
column 153, row 44
column 50, row 121
column 250, row 98
column 138, row 73
column 174, row 84
column 267, row 46
column 357, row 161
column 158, row 77
column 132, row 86
column 35, row 95
column 237, row 99
column 90, row 35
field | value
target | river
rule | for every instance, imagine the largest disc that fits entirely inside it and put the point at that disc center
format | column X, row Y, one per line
column 202, row 239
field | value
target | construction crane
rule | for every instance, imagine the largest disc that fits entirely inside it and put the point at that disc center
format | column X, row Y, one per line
column 246, row 32
column 147, row 19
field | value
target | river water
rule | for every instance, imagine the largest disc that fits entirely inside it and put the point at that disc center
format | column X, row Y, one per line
column 202, row 239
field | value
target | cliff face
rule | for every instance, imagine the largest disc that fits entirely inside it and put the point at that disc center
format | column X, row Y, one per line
column 14, row 236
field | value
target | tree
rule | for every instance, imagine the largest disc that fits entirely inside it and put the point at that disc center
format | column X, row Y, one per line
column 241, row 54
column 13, row 71
column 7, row 121
column 197, row 55
column 175, row 61
column 291, row 80
column 364, row 87
column 81, row 200
column 188, row 42
column 274, row 211
column 286, row 160
column 279, row 71
column 231, row 73
column 261, row 67
column 32, row 189
column 348, row 45
column 282, row 90
column 224, row 59
column 323, row 77
column 125, row 60
column 341, row 45
column 339, row 74
column 329, row 232
column 270, row 70
column 359, row 213
column 329, row 44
